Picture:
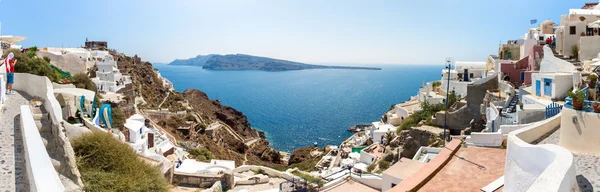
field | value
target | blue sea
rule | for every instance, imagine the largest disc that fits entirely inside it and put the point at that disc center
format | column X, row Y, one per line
column 297, row 108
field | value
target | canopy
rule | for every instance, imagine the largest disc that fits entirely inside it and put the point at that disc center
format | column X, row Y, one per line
column 11, row 39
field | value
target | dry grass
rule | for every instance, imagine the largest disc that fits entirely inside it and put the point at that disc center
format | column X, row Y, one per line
column 107, row 164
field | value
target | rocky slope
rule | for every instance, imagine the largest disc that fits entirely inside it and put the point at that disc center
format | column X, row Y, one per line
column 199, row 112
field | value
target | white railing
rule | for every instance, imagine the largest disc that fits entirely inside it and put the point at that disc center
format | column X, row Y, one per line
column 40, row 171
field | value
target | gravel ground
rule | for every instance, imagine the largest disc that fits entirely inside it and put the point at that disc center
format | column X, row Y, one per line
column 587, row 166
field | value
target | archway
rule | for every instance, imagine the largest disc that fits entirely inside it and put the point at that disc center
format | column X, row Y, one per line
column 64, row 107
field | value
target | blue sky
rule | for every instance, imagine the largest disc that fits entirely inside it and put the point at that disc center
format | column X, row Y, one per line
column 311, row 31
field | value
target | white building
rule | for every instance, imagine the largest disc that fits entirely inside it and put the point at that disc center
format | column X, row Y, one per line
column 379, row 129
column 429, row 95
column 399, row 171
column 574, row 28
column 108, row 78
column 463, row 74
column 397, row 115
column 530, row 39
column 555, row 78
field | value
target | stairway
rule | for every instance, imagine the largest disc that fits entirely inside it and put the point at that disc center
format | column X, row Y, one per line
column 44, row 126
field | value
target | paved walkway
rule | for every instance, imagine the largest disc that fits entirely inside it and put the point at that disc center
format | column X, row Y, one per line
column 13, row 175
column 587, row 166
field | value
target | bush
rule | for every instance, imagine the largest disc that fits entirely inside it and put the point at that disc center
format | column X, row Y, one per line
column 84, row 82
column 118, row 117
column 107, row 164
column 27, row 63
column 371, row 167
column 383, row 165
column 426, row 112
column 202, row 154
column 436, row 84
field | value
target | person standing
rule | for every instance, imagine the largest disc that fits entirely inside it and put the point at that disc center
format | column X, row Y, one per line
column 10, row 63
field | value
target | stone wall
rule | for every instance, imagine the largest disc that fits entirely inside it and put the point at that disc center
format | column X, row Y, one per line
column 461, row 118
column 455, row 119
column 476, row 92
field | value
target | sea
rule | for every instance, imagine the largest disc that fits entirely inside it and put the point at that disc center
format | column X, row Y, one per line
column 297, row 108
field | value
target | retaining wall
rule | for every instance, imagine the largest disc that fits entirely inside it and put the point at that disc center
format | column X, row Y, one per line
column 537, row 167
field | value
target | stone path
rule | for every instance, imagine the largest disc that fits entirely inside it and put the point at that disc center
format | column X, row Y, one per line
column 587, row 166
column 13, row 176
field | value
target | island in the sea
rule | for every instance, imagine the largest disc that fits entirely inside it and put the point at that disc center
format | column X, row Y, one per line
column 249, row 62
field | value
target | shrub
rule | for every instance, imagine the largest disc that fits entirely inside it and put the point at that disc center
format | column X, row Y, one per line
column 202, row 154
column 436, row 84
column 107, row 164
column 383, row 165
column 33, row 65
column 84, row 82
column 118, row 117
column 371, row 167
column 309, row 178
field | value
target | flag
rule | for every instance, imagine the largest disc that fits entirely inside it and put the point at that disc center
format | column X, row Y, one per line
column 533, row 21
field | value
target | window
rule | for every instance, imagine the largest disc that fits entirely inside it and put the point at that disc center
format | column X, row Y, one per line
column 547, row 83
column 572, row 30
column 471, row 75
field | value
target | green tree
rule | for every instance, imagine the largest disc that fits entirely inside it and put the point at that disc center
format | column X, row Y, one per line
column 27, row 63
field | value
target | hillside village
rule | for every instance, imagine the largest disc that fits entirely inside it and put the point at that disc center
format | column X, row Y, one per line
column 521, row 120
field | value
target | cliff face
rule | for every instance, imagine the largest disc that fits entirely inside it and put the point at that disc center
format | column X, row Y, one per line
column 236, row 140
column 213, row 110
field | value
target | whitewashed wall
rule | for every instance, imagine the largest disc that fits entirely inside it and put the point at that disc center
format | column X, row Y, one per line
column 40, row 171
column 537, row 167
column 589, row 47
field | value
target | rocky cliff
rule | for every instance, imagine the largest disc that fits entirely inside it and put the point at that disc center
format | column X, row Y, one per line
column 189, row 115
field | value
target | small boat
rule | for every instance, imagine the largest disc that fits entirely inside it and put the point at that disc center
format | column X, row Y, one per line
column 354, row 129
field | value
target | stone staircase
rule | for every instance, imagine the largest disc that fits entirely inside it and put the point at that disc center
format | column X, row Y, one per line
column 44, row 125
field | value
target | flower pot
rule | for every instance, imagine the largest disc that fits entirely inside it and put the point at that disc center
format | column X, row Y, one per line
column 577, row 105
column 596, row 107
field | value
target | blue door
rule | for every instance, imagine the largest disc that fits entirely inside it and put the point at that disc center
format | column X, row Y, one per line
column 548, row 87
column 522, row 76
column 537, row 88
column 466, row 75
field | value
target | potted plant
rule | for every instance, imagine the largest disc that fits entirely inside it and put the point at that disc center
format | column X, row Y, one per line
column 593, row 79
column 596, row 106
column 577, row 99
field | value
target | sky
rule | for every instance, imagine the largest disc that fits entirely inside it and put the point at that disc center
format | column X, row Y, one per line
column 309, row 31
